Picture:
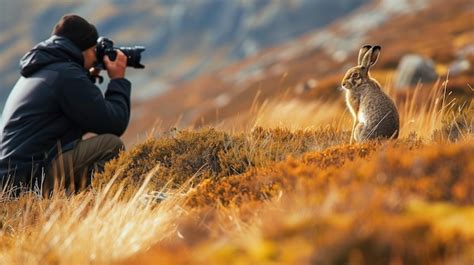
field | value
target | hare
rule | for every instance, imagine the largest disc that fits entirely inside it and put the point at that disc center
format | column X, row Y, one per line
column 375, row 114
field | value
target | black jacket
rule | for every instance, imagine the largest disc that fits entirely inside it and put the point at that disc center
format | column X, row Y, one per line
column 53, row 105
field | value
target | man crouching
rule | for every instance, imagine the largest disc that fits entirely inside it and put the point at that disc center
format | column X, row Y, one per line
column 54, row 104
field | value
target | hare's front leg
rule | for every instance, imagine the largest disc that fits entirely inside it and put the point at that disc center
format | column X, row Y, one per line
column 360, row 132
column 353, row 130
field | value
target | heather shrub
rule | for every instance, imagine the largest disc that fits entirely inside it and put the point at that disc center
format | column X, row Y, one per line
column 433, row 172
column 193, row 156
column 377, row 202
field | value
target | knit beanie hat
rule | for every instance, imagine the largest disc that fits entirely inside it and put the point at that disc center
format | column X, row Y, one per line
column 83, row 34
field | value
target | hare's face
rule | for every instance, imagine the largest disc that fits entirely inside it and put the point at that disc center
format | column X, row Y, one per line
column 359, row 75
column 354, row 77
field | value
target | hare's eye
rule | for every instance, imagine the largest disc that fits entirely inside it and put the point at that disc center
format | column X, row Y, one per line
column 355, row 75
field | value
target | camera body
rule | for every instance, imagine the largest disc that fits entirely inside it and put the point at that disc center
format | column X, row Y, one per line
column 105, row 46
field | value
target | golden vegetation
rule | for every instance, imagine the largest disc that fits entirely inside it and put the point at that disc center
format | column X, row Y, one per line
column 212, row 154
column 269, row 195
column 277, row 184
column 369, row 204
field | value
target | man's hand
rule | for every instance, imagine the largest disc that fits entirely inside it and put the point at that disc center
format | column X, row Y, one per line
column 116, row 69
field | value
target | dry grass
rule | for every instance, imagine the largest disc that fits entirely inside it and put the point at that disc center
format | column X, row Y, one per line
column 375, row 203
column 93, row 226
column 212, row 154
column 425, row 111
column 286, row 188
column 428, row 111
column 215, row 197
column 278, row 184
column 268, row 195
column 298, row 115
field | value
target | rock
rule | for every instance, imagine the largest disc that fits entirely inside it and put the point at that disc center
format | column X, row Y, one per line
column 455, row 130
column 459, row 66
column 306, row 86
column 414, row 68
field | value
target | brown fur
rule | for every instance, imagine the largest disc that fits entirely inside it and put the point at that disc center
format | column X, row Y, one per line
column 375, row 114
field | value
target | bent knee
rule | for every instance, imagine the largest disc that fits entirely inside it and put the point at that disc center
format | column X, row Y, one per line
column 113, row 142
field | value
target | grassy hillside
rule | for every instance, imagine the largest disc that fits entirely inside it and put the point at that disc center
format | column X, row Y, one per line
column 398, row 202
column 266, row 195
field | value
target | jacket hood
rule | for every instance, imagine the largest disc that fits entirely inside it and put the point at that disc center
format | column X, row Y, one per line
column 53, row 50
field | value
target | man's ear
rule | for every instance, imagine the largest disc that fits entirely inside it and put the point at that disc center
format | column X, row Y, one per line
column 89, row 57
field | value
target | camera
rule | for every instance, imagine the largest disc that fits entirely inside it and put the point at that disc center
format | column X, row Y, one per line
column 105, row 46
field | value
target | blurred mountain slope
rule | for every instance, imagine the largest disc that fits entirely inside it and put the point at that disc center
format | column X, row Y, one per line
column 312, row 66
column 183, row 38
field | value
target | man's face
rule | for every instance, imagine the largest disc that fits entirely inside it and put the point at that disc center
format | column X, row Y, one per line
column 89, row 57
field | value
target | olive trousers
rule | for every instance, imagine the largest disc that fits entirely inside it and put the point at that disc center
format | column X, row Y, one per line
column 72, row 170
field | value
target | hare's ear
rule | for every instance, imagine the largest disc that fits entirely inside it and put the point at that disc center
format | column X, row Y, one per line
column 370, row 58
column 362, row 52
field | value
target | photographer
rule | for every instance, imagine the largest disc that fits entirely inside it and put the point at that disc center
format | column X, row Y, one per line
column 52, row 106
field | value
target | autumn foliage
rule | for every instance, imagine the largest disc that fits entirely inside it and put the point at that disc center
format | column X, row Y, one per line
column 379, row 202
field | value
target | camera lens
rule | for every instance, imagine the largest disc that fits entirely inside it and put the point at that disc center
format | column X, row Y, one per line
column 133, row 56
column 105, row 46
